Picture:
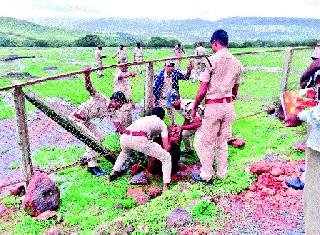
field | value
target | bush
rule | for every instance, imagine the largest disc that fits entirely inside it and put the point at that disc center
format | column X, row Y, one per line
column 89, row 40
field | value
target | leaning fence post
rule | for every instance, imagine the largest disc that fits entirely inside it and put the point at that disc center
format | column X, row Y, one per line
column 23, row 138
column 286, row 70
column 148, row 90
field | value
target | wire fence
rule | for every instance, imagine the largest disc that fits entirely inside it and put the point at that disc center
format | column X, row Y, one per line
column 50, row 146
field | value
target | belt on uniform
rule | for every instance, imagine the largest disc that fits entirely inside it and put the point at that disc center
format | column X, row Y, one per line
column 77, row 116
column 135, row 133
column 215, row 101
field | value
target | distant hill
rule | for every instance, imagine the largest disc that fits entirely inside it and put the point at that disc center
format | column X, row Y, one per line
column 26, row 33
column 239, row 28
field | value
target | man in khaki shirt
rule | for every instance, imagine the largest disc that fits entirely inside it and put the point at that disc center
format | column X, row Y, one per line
column 138, row 136
column 177, row 52
column 121, row 55
column 219, row 85
column 200, row 51
column 99, row 57
column 122, row 83
column 98, row 106
column 138, row 56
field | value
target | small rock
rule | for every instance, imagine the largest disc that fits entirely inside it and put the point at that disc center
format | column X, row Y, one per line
column 53, row 231
column 138, row 195
column 283, row 136
column 129, row 229
column 259, row 168
column 180, row 217
column 118, row 205
column 41, row 195
column 140, row 178
column 46, row 215
column 155, row 191
column 277, row 171
column 18, row 190
column 184, row 186
column 238, row 143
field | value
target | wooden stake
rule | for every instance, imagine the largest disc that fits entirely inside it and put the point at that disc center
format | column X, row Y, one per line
column 23, row 138
column 286, row 70
column 148, row 90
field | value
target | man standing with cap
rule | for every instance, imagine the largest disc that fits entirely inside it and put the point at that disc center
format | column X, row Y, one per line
column 311, row 77
column 219, row 83
column 138, row 136
column 190, row 125
column 168, row 79
column 121, row 55
column 138, row 56
column 99, row 57
column 177, row 52
column 98, row 106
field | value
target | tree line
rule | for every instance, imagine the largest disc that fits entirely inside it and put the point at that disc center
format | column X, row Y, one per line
column 92, row 40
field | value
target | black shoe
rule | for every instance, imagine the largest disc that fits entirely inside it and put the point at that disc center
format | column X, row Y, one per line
column 185, row 152
column 97, row 171
column 295, row 183
column 114, row 176
column 197, row 178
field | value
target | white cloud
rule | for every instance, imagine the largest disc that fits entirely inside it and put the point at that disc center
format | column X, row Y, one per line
column 164, row 9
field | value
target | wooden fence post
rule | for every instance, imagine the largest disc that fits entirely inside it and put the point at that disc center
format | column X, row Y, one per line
column 148, row 90
column 286, row 70
column 23, row 138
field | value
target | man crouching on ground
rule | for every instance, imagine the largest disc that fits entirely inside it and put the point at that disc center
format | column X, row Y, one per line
column 138, row 136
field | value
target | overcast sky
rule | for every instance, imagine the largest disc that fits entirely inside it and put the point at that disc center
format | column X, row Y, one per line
column 162, row 9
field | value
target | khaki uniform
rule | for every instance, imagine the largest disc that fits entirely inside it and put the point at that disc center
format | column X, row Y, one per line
column 200, row 50
column 218, row 117
column 152, row 125
column 122, row 56
column 123, row 85
column 178, row 53
column 99, row 60
column 138, row 57
column 185, row 111
column 95, row 107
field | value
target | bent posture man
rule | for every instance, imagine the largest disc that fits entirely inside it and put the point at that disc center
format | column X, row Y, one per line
column 138, row 136
column 98, row 106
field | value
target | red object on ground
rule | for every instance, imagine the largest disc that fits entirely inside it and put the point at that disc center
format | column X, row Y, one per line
column 136, row 168
column 238, row 143
column 46, row 215
column 299, row 146
column 42, row 195
column 18, row 190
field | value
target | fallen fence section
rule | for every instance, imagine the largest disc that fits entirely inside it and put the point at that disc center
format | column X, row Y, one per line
column 78, row 132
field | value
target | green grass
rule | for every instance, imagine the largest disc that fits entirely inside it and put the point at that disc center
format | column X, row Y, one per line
column 87, row 202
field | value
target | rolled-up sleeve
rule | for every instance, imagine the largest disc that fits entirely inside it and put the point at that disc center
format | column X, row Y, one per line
column 206, row 72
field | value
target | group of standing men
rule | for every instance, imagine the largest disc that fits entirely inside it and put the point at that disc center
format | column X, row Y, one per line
column 219, row 82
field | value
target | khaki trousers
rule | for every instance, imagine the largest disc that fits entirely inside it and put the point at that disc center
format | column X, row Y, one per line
column 214, row 132
column 149, row 148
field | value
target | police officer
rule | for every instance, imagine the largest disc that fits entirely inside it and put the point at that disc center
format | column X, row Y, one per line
column 177, row 52
column 200, row 51
column 122, row 83
column 98, row 106
column 99, row 57
column 121, row 55
column 138, row 56
column 190, row 125
column 219, row 86
column 138, row 136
